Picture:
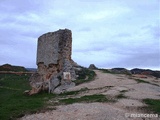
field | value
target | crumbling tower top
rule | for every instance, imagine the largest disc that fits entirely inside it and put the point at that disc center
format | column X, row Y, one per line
column 54, row 46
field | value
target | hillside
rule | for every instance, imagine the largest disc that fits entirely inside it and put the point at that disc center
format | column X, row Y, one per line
column 135, row 71
column 146, row 72
column 8, row 67
column 104, row 96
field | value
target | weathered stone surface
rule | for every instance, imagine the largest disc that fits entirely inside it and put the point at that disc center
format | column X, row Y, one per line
column 54, row 58
column 63, row 87
column 92, row 66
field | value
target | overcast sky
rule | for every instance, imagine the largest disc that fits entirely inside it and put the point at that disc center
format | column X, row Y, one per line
column 107, row 33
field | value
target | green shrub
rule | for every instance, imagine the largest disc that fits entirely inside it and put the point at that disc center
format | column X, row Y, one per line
column 87, row 98
column 83, row 74
column 153, row 105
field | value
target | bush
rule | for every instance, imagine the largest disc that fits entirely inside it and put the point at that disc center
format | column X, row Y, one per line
column 85, row 75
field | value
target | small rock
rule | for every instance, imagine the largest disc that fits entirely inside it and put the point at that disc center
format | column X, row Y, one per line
column 92, row 66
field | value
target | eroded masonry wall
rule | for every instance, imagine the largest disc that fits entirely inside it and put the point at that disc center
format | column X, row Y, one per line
column 53, row 60
column 54, row 46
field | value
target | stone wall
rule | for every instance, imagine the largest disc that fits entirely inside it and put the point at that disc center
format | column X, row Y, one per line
column 53, row 59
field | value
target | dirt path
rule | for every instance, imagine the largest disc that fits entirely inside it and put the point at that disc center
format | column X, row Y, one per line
column 110, row 85
column 125, row 84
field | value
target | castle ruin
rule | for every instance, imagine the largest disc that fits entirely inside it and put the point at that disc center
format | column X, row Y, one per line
column 55, row 71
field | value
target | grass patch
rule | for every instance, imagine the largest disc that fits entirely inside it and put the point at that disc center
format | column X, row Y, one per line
column 73, row 92
column 153, row 105
column 120, row 96
column 141, row 81
column 123, row 91
column 13, row 103
column 8, row 67
column 83, row 74
column 100, row 88
column 87, row 98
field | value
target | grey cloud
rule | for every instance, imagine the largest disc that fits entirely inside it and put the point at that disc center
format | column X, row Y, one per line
column 112, row 39
column 156, row 32
column 19, row 6
column 22, row 52
column 145, row 60
column 123, row 35
column 153, row 29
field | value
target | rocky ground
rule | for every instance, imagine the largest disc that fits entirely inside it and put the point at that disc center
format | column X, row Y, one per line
column 127, row 90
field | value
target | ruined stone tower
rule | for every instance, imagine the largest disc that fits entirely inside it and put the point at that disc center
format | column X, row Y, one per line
column 55, row 67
